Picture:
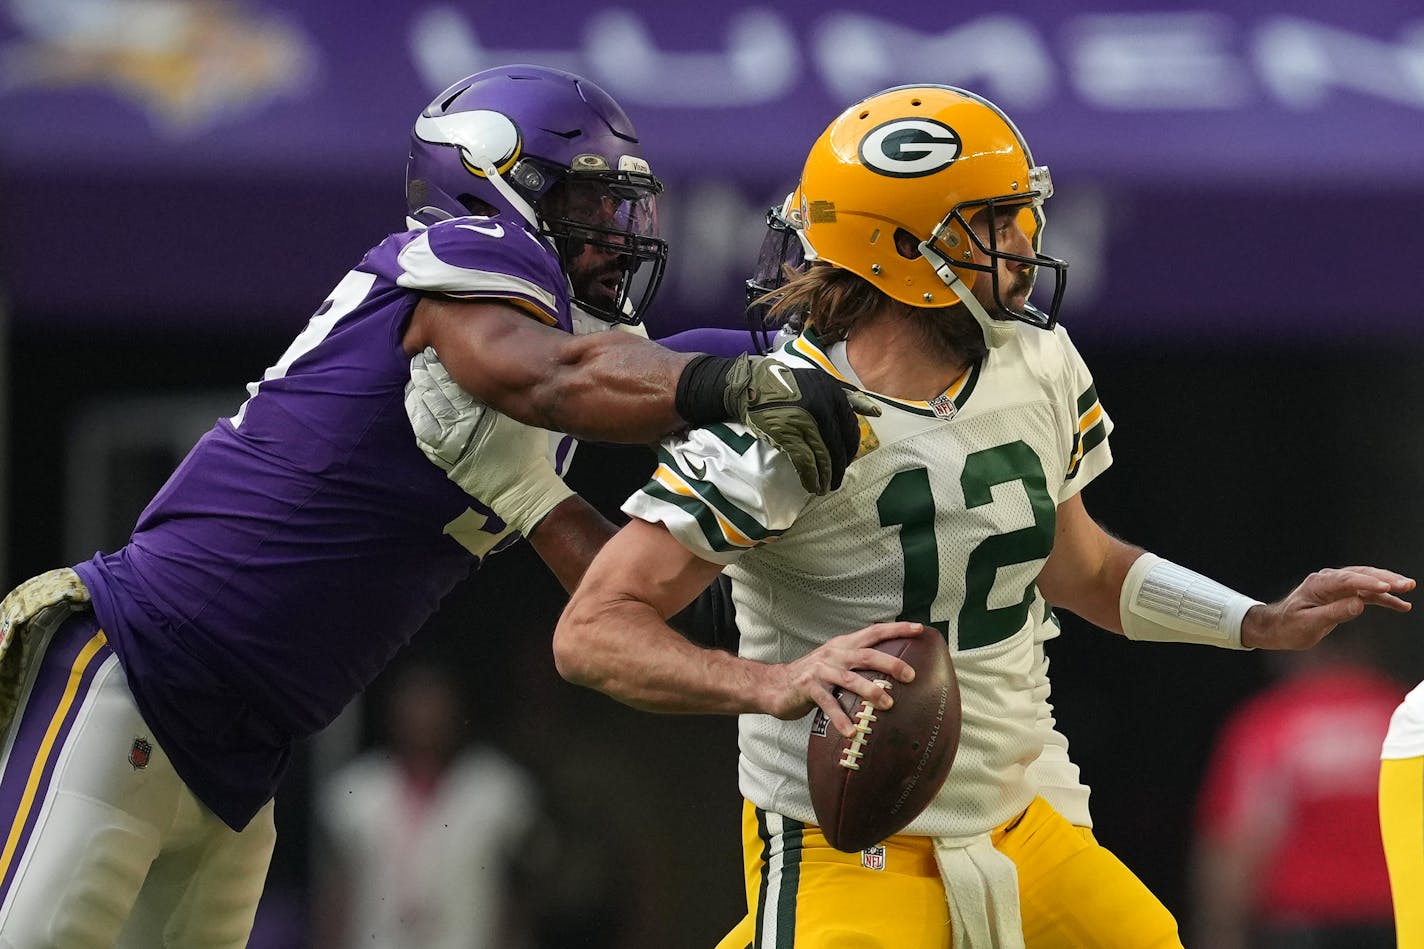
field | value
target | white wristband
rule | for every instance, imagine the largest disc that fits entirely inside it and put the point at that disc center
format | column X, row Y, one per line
column 1166, row 603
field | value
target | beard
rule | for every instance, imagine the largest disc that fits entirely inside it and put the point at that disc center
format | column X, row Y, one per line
column 1021, row 285
column 951, row 333
column 599, row 284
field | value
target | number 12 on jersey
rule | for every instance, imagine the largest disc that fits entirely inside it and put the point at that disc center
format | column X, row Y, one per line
column 908, row 502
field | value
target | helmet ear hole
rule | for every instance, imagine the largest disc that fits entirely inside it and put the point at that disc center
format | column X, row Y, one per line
column 478, row 207
column 907, row 245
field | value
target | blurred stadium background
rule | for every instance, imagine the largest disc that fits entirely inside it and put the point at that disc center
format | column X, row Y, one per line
column 1239, row 193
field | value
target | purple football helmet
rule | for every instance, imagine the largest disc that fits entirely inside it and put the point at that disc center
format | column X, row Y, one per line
column 553, row 149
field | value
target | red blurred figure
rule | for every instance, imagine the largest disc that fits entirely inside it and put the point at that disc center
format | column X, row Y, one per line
column 1288, row 850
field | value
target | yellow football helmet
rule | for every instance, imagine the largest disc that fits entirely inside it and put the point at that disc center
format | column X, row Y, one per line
column 924, row 160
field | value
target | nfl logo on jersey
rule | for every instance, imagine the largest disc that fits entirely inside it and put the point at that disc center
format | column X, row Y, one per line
column 873, row 858
column 139, row 754
column 943, row 406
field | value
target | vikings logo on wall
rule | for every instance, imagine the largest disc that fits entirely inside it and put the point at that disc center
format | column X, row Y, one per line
column 189, row 65
column 910, row 148
column 140, row 754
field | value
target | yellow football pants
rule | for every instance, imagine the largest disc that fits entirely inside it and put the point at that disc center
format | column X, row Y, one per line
column 803, row 893
column 1401, row 804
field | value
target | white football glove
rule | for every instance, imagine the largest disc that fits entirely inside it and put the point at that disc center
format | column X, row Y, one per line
column 503, row 463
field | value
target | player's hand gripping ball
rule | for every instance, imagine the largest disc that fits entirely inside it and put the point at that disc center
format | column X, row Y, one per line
column 870, row 787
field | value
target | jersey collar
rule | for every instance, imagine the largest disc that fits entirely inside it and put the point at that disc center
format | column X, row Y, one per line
column 809, row 348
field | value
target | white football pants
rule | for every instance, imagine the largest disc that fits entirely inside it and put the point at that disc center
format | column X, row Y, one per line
column 106, row 845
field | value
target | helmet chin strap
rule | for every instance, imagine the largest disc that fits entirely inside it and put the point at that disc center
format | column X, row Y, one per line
column 996, row 332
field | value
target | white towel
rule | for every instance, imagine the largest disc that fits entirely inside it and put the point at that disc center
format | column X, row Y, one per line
column 982, row 886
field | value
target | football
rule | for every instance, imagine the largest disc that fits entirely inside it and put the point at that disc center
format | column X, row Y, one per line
column 870, row 787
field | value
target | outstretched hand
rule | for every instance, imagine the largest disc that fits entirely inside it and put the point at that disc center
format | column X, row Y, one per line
column 1322, row 601
column 810, row 681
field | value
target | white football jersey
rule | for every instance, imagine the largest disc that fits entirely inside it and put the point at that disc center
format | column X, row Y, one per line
column 946, row 517
column 1053, row 773
column 1406, row 727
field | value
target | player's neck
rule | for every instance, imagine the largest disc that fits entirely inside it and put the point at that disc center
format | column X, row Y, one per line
column 893, row 357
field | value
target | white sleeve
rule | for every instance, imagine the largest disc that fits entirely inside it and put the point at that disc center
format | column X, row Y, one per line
column 721, row 491
column 1406, row 727
column 1089, row 453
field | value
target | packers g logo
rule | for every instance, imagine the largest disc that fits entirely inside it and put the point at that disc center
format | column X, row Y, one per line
column 909, row 148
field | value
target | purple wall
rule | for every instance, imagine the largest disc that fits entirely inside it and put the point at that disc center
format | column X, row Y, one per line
column 1243, row 167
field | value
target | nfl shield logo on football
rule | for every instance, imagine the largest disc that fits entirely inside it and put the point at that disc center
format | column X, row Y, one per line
column 818, row 724
column 873, row 858
column 944, row 406
column 140, row 753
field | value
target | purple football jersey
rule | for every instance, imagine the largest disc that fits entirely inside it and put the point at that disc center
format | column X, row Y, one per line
column 303, row 541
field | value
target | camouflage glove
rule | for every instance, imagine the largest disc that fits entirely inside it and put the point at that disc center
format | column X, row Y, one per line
column 30, row 610
column 804, row 412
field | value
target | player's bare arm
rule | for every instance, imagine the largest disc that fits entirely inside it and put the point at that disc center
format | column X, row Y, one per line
column 603, row 386
column 1089, row 568
column 619, row 387
column 612, row 637
column 568, row 538
column 1085, row 572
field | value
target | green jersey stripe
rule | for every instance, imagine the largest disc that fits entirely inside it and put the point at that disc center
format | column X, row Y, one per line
column 913, row 406
column 1087, row 400
column 790, row 883
column 737, row 441
column 969, row 384
column 765, row 834
column 715, row 499
column 904, row 406
column 703, row 515
column 788, row 880
column 1092, row 438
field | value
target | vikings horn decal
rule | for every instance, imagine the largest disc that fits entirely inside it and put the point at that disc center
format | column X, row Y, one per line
column 483, row 137
column 909, row 148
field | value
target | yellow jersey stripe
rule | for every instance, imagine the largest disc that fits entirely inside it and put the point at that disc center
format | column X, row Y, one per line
column 671, row 480
column 1090, row 417
column 804, row 347
column 27, row 800
column 809, row 350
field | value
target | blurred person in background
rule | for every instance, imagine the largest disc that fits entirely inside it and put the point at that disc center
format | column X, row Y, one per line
column 1401, row 814
column 431, row 841
column 1287, row 851
column 150, row 697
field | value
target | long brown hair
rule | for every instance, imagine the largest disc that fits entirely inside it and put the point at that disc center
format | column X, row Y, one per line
column 833, row 300
column 828, row 298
